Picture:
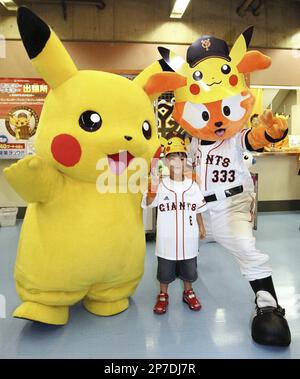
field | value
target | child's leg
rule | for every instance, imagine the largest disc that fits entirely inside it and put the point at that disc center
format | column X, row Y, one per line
column 187, row 286
column 166, row 273
column 162, row 300
column 163, row 287
column 187, row 272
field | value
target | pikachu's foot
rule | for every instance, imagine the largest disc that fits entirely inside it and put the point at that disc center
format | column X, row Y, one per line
column 42, row 313
column 105, row 309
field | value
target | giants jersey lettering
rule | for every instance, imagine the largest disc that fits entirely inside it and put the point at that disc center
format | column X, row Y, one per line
column 177, row 229
column 220, row 165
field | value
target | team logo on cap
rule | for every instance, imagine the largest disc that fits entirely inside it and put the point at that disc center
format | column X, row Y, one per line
column 206, row 44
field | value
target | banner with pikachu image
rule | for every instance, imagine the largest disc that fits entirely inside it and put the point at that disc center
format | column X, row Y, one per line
column 21, row 102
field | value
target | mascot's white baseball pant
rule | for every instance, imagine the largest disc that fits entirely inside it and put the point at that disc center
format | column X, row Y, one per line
column 229, row 222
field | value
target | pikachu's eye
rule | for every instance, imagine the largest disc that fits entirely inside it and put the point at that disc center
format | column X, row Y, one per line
column 197, row 75
column 225, row 69
column 147, row 130
column 90, row 121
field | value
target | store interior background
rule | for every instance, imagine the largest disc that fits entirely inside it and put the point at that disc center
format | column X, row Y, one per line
column 123, row 38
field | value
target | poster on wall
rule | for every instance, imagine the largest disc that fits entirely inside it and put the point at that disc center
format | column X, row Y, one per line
column 165, row 122
column 21, row 102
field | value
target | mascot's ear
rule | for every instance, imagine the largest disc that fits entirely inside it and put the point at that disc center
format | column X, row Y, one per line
column 240, row 46
column 163, row 82
column 163, row 142
column 177, row 63
column 254, row 61
column 44, row 48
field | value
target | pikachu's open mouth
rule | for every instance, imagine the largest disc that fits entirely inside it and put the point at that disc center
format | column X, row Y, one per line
column 119, row 162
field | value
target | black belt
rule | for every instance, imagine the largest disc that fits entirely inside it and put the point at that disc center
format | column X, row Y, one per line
column 228, row 193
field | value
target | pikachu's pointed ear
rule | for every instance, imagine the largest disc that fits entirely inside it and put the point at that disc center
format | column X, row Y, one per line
column 253, row 61
column 240, row 46
column 163, row 82
column 44, row 48
column 177, row 63
column 163, row 142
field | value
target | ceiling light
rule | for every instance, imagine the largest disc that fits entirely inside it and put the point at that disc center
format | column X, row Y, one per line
column 179, row 8
column 9, row 5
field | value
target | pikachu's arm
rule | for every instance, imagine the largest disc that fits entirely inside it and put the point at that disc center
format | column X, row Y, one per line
column 34, row 179
column 271, row 130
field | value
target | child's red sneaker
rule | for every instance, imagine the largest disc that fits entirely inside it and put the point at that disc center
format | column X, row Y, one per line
column 162, row 303
column 190, row 298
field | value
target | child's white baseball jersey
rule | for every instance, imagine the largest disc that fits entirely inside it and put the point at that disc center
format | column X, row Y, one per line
column 177, row 203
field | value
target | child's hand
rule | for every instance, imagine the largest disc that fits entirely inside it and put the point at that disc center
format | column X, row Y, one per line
column 202, row 232
column 153, row 183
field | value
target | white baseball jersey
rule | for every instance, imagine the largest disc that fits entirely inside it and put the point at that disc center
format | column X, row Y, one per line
column 220, row 166
column 177, row 204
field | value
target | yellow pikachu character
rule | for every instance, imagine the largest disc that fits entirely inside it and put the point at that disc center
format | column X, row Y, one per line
column 77, row 243
column 210, row 71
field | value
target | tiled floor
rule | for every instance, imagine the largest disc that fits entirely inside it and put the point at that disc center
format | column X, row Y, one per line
column 220, row 330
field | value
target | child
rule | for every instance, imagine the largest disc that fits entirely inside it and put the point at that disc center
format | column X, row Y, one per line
column 179, row 222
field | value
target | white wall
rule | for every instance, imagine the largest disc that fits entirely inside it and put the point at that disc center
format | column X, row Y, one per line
column 278, row 177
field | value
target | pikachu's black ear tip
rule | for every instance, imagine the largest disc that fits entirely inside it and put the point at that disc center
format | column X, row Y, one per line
column 165, row 53
column 33, row 30
column 248, row 33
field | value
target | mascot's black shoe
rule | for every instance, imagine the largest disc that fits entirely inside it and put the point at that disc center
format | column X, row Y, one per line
column 269, row 327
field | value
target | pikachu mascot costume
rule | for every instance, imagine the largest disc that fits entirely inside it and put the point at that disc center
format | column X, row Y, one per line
column 213, row 104
column 77, row 241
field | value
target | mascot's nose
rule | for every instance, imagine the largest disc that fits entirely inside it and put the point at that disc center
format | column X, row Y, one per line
column 219, row 123
column 128, row 138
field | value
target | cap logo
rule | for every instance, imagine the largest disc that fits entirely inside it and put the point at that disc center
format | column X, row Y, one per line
column 206, row 44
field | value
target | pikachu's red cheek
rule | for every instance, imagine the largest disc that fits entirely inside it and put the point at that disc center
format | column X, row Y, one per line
column 233, row 80
column 66, row 150
column 194, row 89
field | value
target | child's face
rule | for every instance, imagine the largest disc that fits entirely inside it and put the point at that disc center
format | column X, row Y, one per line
column 255, row 122
column 176, row 163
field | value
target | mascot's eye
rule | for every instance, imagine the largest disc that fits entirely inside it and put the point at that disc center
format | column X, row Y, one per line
column 205, row 116
column 90, row 121
column 225, row 69
column 232, row 109
column 226, row 110
column 197, row 115
column 197, row 75
column 147, row 130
